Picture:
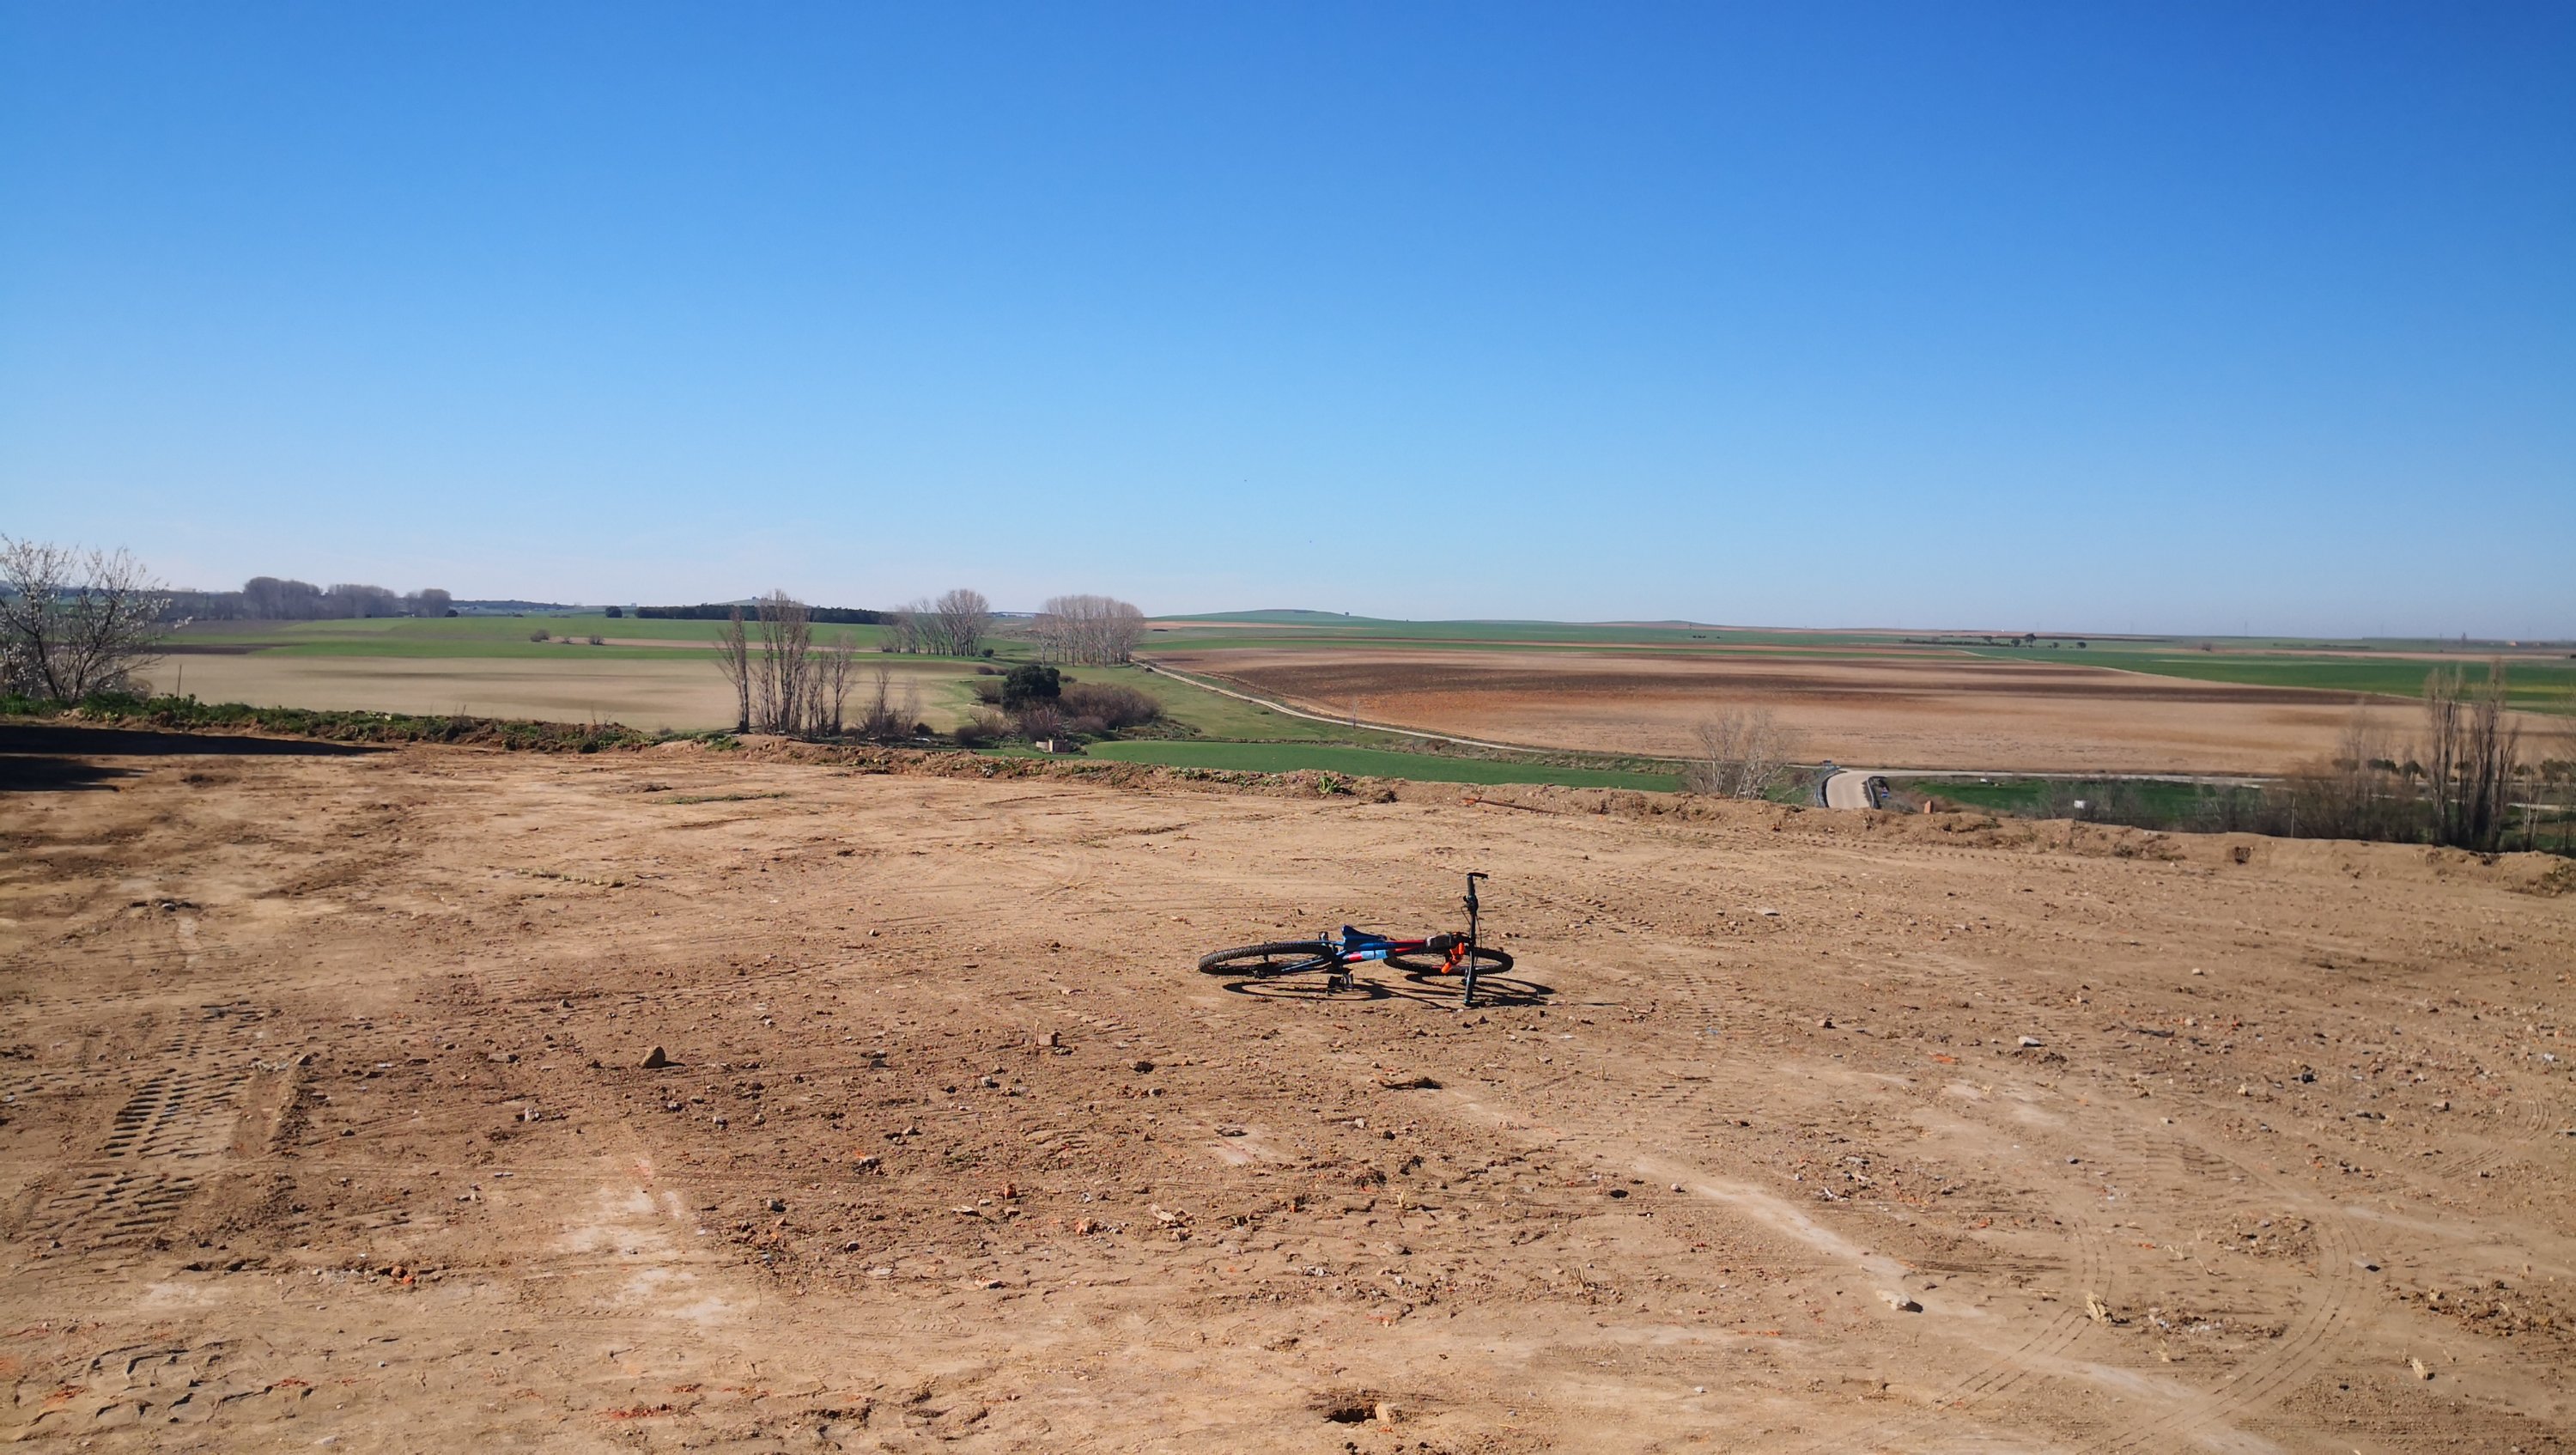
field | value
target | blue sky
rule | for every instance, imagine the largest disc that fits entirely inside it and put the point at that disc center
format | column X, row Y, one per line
column 2166, row 317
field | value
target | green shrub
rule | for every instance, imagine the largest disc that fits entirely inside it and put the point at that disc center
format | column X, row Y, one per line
column 1030, row 683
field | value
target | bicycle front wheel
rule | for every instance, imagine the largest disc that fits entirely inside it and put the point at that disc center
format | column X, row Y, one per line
column 1489, row 961
column 1279, row 957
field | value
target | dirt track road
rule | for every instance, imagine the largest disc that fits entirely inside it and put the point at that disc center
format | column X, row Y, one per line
column 324, row 1120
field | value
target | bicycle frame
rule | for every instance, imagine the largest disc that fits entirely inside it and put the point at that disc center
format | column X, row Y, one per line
column 1458, row 952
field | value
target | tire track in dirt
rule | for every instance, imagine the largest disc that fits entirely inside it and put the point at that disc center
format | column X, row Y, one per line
column 1569, row 1110
column 2530, row 1131
column 2316, row 1332
column 1712, row 1003
column 1576, row 1124
column 172, row 1128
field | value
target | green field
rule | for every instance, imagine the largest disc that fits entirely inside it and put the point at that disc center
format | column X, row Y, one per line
column 2534, row 683
column 1312, row 629
column 1371, row 763
column 2148, row 797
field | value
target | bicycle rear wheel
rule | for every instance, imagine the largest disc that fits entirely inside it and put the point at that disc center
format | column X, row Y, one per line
column 1279, row 957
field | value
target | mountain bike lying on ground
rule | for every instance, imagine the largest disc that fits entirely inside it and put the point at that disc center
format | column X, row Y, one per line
column 1458, row 955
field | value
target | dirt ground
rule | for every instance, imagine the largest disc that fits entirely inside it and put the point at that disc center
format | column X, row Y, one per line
column 1930, row 711
column 324, row 1120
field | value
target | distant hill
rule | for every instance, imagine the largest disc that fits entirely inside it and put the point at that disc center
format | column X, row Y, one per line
column 1298, row 616
column 518, row 608
column 1281, row 616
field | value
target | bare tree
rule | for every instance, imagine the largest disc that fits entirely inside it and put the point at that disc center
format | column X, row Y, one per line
column 1740, row 755
column 833, row 666
column 2443, row 729
column 783, row 680
column 959, row 620
column 908, row 713
column 2471, row 743
column 2487, row 764
column 2353, row 794
column 75, row 622
column 908, row 627
column 876, row 711
column 2558, row 783
column 1099, row 630
column 733, row 655
column 884, row 716
column 782, row 672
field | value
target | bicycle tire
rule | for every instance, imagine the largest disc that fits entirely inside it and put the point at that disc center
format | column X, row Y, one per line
column 1279, row 957
column 1489, row 961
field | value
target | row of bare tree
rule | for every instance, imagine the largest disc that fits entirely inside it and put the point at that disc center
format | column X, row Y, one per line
column 1098, row 631
column 952, row 626
column 2471, row 742
column 75, row 622
column 2454, row 786
column 786, row 682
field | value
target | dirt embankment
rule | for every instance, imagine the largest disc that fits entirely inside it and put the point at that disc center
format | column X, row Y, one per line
column 327, row 1118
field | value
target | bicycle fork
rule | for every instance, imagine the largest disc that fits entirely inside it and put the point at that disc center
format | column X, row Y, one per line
column 1467, row 1000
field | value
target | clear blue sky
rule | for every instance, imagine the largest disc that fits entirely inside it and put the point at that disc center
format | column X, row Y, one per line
column 2170, row 316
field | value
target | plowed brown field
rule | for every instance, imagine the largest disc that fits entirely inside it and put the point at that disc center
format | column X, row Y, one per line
column 324, row 1120
column 1928, row 711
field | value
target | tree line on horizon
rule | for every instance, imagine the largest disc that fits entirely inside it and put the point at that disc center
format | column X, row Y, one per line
column 283, row 598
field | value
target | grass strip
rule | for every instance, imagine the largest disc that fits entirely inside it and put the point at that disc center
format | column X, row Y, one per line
column 187, row 714
column 1371, row 763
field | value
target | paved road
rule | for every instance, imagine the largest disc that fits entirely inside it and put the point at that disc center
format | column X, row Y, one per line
column 1849, row 789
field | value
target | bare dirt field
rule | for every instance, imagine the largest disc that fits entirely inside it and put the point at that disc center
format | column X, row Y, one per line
column 685, row 694
column 324, row 1120
column 1890, row 712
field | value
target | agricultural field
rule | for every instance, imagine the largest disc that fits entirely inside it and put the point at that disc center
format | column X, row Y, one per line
column 1874, row 700
column 658, row 675
column 1567, row 693
column 669, row 1098
column 647, row 674
column 568, row 637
